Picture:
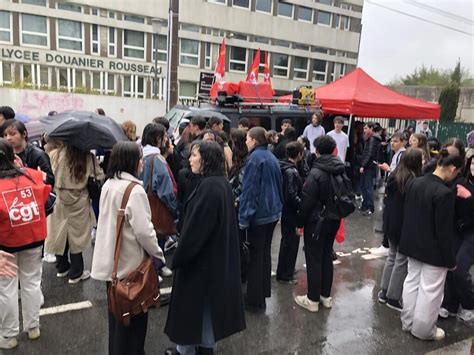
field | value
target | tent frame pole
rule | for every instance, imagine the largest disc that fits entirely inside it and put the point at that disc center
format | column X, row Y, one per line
column 350, row 124
column 437, row 128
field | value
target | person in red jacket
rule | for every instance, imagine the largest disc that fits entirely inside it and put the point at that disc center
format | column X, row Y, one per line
column 23, row 196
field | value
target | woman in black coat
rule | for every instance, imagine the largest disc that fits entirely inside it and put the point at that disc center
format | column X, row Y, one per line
column 206, row 302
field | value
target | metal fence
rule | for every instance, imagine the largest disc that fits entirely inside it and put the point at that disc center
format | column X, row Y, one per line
column 458, row 130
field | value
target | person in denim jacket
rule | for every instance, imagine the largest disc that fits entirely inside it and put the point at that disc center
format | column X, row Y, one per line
column 260, row 208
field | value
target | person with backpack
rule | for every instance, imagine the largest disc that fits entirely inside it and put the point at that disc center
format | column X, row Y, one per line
column 292, row 187
column 322, row 208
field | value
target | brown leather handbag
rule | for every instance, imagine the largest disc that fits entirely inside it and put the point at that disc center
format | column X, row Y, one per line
column 137, row 292
column 160, row 215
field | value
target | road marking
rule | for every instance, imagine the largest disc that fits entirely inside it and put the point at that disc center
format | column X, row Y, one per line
column 165, row 290
column 65, row 308
column 371, row 256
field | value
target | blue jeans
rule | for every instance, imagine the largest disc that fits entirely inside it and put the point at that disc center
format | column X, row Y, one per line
column 367, row 186
column 207, row 340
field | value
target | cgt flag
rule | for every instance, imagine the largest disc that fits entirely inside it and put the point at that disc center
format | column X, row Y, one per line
column 219, row 72
column 266, row 73
column 252, row 76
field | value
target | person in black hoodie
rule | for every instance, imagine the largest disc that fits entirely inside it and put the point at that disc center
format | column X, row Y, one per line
column 368, row 169
column 428, row 240
column 292, row 187
column 319, row 232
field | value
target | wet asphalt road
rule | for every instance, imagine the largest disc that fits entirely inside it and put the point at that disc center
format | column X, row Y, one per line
column 357, row 323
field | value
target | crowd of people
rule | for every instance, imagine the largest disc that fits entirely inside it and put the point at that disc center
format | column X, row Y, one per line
column 241, row 185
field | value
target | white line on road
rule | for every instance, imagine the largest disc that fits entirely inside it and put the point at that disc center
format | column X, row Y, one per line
column 165, row 290
column 65, row 308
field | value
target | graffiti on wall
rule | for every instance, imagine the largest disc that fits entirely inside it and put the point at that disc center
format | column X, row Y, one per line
column 36, row 104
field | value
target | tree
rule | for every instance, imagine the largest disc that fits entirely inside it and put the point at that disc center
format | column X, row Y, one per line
column 424, row 76
column 449, row 97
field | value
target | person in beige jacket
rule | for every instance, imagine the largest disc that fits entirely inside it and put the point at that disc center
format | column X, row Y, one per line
column 138, row 239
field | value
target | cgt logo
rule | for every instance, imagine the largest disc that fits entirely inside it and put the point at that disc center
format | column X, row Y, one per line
column 22, row 206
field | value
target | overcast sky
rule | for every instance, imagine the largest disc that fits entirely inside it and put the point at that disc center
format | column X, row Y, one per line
column 393, row 44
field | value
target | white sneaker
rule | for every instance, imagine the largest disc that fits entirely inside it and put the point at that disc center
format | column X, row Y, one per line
column 439, row 334
column 8, row 343
column 85, row 275
column 34, row 333
column 465, row 315
column 326, row 301
column 380, row 251
column 166, row 271
column 49, row 258
column 444, row 313
column 305, row 302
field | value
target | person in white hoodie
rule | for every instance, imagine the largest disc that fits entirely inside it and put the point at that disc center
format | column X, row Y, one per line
column 138, row 239
column 314, row 130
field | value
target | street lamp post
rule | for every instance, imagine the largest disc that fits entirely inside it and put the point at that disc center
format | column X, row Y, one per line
column 156, row 25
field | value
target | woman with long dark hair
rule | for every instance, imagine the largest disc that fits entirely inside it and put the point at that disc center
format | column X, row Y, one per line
column 206, row 299
column 260, row 209
column 419, row 140
column 138, row 240
column 69, row 227
column 22, row 233
column 395, row 269
column 239, row 157
column 428, row 240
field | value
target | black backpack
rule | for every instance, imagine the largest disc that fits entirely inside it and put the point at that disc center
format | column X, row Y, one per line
column 341, row 201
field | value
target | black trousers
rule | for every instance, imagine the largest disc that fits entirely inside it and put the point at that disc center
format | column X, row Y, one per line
column 290, row 242
column 260, row 264
column 458, row 287
column 75, row 265
column 128, row 340
column 318, row 254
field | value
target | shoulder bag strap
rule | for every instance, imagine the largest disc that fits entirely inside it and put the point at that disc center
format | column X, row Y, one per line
column 119, row 227
column 93, row 165
column 152, row 166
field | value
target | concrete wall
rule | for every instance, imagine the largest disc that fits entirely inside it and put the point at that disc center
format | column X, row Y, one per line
column 465, row 111
column 36, row 103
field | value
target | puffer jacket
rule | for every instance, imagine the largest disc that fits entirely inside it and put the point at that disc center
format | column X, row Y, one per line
column 316, row 188
column 292, row 189
column 371, row 151
column 34, row 158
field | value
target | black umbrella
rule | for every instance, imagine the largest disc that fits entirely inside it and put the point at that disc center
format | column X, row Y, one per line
column 206, row 114
column 84, row 130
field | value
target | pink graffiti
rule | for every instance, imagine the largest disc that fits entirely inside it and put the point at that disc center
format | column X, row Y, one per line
column 39, row 104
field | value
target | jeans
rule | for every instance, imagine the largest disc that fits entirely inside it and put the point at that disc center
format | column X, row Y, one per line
column 29, row 275
column 289, row 245
column 394, row 273
column 318, row 254
column 207, row 340
column 458, row 288
column 367, row 187
column 260, row 264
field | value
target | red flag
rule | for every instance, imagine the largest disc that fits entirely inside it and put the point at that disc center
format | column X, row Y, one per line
column 266, row 73
column 219, row 72
column 252, row 76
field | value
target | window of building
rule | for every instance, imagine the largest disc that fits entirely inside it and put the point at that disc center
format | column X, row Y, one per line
column 96, row 81
column 112, row 33
column 264, row 6
column 241, row 3
column 69, row 7
column 134, row 18
column 5, row 27
column 133, row 86
column 324, row 18
column 285, row 9
column 300, row 69
column 78, row 79
column 189, row 52
column 319, row 50
column 95, row 11
column 302, row 47
column 133, row 44
column 218, row 33
column 70, row 35
column 95, row 39
column 240, row 36
column 111, row 14
column 110, row 83
column 280, row 65
column 319, row 70
column 326, row 2
column 336, row 74
column 346, row 6
column 34, row 30
column 6, row 72
column 264, row 40
column 208, row 56
column 305, row 14
column 35, row 2
column 190, row 28
column 45, row 77
column 162, row 48
column 26, row 74
column 35, row 75
column 187, row 90
column 238, row 59
column 280, row 43
column 63, row 75
column 343, row 22
column 217, row 1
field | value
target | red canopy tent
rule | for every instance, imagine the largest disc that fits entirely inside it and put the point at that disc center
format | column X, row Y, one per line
column 358, row 94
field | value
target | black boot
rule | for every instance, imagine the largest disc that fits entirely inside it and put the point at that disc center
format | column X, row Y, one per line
column 204, row 351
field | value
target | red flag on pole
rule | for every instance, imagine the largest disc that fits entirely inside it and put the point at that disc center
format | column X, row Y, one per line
column 219, row 72
column 266, row 73
column 252, row 76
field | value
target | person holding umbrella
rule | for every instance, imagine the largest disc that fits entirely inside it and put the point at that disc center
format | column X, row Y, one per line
column 69, row 228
